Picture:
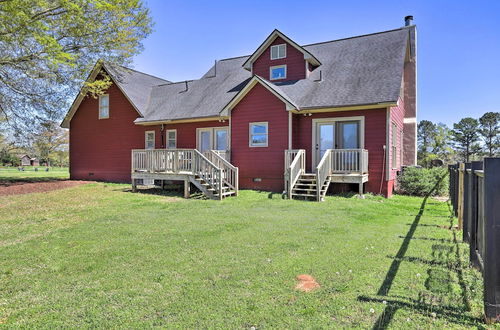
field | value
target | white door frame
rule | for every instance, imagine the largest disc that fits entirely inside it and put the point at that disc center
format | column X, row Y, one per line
column 212, row 131
column 334, row 120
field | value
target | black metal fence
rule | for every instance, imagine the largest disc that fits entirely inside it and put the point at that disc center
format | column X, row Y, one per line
column 475, row 198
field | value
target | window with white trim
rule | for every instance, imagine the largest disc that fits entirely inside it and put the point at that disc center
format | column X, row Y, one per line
column 259, row 134
column 277, row 72
column 103, row 106
column 171, row 135
column 394, row 145
column 278, row 51
column 149, row 139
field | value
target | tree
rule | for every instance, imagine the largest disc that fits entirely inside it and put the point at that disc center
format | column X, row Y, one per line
column 50, row 140
column 426, row 131
column 490, row 131
column 47, row 48
column 465, row 135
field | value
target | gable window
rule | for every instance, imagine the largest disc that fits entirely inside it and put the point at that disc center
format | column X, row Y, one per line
column 258, row 134
column 278, row 51
column 103, row 106
column 149, row 139
column 277, row 72
column 394, row 145
column 171, row 138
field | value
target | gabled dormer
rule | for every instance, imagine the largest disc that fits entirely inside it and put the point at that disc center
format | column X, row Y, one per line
column 279, row 59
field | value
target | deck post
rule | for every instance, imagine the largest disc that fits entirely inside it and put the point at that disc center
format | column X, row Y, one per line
column 187, row 188
column 361, row 188
column 134, row 185
column 491, row 257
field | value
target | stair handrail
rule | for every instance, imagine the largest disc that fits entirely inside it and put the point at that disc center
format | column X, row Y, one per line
column 295, row 170
column 229, row 171
column 323, row 171
column 208, row 171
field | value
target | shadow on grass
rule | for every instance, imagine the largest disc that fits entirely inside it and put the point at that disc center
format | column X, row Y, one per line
column 11, row 181
column 447, row 257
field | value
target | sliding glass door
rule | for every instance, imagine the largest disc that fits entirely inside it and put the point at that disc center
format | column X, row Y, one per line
column 336, row 134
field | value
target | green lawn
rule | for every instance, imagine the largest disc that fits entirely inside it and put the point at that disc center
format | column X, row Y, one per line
column 12, row 174
column 98, row 255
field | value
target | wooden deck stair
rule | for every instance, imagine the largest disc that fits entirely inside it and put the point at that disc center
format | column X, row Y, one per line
column 208, row 191
column 210, row 172
column 306, row 187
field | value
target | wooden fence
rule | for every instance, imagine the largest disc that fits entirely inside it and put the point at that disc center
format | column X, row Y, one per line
column 475, row 198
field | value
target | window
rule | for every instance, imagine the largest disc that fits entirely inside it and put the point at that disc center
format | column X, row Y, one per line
column 150, row 139
column 171, row 135
column 278, row 72
column 394, row 145
column 103, row 106
column 258, row 134
column 278, row 51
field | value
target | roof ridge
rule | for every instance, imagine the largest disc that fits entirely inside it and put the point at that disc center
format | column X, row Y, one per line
column 358, row 36
column 144, row 73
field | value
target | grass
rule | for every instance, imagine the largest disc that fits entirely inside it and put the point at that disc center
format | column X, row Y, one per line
column 12, row 174
column 98, row 255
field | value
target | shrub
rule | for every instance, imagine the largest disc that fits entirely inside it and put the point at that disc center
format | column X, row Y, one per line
column 420, row 181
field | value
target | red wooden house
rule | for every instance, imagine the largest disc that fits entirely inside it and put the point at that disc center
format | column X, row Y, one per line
column 289, row 117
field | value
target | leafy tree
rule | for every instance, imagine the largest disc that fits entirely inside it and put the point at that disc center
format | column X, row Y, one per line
column 426, row 131
column 490, row 131
column 50, row 140
column 47, row 48
column 465, row 135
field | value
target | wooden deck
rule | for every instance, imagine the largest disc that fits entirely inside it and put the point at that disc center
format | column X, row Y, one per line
column 211, row 173
column 336, row 166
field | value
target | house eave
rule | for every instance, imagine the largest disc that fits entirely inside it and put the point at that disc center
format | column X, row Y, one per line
column 179, row 120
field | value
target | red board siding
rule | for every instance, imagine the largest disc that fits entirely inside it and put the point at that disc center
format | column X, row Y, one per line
column 266, row 163
column 186, row 132
column 100, row 149
column 375, row 139
column 294, row 60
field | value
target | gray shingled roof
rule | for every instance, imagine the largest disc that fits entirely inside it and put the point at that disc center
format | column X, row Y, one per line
column 135, row 85
column 355, row 71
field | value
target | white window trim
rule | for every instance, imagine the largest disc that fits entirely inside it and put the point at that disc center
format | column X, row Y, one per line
column 146, row 139
column 271, row 52
column 361, row 120
column 101, row 117
column 276, row 67
column 167, row 138
column 250, row 134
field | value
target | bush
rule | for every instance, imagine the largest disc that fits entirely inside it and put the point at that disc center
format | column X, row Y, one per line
column 420, row 181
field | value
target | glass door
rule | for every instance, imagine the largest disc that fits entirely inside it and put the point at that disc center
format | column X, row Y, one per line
column 325, row 139
column 336, row 135
column 220, row 139
column 205, row 140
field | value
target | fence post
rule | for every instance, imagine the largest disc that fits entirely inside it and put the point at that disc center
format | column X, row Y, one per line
column 460, row 200
column 492, row 236
column 472, row 213
column 466, row 202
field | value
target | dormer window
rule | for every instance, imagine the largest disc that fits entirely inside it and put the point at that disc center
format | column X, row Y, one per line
column 277, row 72
column 278, row 51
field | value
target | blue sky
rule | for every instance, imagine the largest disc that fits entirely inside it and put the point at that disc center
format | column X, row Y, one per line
column 458, row 42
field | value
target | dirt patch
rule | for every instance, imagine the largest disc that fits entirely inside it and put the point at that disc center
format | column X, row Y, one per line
column 306, row 283
column 27, row 187
column 441, row 198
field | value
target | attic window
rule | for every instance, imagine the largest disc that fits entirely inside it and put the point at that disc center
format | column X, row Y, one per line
column 277, row 72
column 278, row 51
column 103, row 106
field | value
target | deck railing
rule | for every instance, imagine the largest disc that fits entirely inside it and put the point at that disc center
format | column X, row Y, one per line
column 182, row 161
column 295, row 166
column 349, row 160
column 323, row 171
column 229, row 171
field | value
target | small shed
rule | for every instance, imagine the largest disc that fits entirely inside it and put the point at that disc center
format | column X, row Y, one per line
column 26, row 160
